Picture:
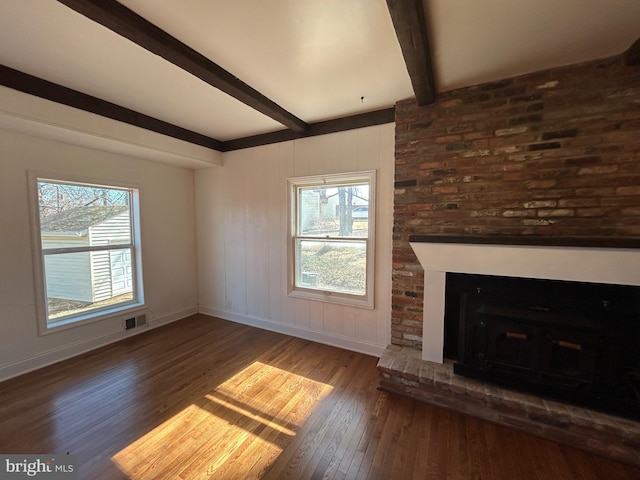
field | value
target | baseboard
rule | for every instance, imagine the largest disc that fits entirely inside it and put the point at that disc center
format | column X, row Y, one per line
column 68, row 351
column 321, row 337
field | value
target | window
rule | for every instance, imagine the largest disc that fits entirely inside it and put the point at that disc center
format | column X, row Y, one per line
column 331, row 242
column 88, row 251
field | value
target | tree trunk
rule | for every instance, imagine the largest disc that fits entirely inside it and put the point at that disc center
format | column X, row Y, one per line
column 345, row 202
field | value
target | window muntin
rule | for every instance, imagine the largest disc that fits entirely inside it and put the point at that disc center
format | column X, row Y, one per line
column 89, row 251
column 332, row 238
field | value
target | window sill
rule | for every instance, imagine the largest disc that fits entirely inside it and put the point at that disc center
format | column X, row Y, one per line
column 334, row 297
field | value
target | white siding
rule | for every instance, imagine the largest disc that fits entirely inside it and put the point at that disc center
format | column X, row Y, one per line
column 101, row 276
column 109, row 271
column 116, row 228
column 68, row 276
column 56, row 241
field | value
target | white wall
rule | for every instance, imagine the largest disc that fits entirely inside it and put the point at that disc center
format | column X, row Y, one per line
column 241, row 212
column 168, row 236
column 238, row 271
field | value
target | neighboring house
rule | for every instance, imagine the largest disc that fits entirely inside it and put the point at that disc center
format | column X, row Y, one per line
column 87, row 276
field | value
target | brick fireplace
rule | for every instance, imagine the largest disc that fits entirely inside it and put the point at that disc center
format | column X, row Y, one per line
column 549, row 154
column 543, row 158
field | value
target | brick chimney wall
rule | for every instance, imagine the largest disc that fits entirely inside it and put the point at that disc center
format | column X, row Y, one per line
column 553, row 153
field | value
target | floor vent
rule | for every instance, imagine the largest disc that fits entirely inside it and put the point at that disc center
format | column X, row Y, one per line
column 141, row 320
column 133, row 322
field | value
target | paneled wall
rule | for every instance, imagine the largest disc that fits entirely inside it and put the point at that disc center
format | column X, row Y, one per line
column 242, row 237
column 553, row 153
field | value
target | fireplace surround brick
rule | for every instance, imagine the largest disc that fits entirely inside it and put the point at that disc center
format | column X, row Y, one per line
column 551, row 154
column 402, row 371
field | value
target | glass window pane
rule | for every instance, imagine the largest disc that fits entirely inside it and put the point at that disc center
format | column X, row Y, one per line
column 77, row 283
column 332, row 265
column 79, row 215
column 335, row 211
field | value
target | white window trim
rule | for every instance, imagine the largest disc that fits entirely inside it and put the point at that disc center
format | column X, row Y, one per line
column 120, row 311
column 362, row 301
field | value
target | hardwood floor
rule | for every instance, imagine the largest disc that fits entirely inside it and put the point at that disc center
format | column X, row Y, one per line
column 206, row 398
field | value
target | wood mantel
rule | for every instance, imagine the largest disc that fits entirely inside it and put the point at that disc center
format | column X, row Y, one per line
column 530, row 240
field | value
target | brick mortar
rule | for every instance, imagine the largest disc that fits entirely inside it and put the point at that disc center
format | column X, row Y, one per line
column 552, row 153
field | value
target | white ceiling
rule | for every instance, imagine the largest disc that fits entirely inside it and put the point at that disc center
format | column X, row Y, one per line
column 475, row 41
column 314, row 58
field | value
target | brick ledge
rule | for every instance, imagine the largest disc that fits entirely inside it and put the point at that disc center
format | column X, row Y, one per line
column 401, row 370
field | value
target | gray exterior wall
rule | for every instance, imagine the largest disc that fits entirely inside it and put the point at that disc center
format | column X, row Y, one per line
column 90, row 276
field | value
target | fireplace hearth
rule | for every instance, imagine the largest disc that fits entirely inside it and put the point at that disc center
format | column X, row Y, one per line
column 572, row 341
column 425, row 373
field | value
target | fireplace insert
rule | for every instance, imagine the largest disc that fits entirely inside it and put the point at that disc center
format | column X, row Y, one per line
column 572, row 341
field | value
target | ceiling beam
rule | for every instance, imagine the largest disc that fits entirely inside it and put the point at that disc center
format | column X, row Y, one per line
column 123, row 21
column 632, row 55
column 411, row 29
column 361, row 120
column 26, row 83
column 38, row 87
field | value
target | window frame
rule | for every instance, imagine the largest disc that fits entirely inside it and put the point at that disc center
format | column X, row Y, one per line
column 121, row 310
column 338, row 179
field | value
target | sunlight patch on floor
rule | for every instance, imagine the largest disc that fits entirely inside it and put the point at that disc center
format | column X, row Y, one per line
column 265, row 421
column 235, row 431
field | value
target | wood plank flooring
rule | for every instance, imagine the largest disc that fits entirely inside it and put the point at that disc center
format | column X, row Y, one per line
column 205, row 398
